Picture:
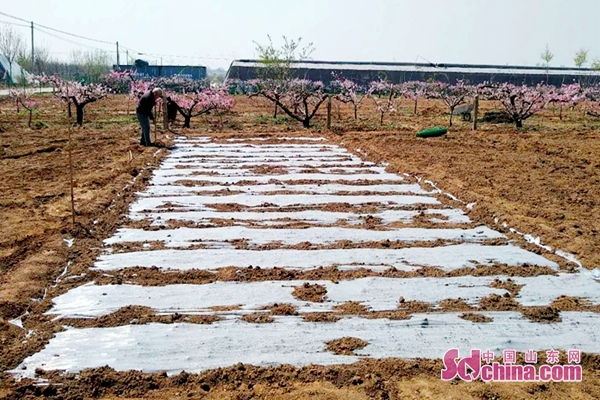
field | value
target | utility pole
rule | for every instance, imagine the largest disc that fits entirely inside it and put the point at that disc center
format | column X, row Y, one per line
column 32, row 61
column 118, row 62
column 127, row 57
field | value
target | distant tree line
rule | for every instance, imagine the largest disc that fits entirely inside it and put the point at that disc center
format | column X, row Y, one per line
column 83, row 66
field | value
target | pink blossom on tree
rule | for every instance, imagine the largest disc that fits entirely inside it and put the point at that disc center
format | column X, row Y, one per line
column 138, row 88
column 75, row 93
column 298, row 98
column 451, row 95
column 522, row 102
column 201, row 102
column 592, row 96
column 384, row 95
column 485, row 91
column 22, row 98
column 413, row 90
column 349, row 92
column 118, row 81
column 567, row 96
column 272, row 89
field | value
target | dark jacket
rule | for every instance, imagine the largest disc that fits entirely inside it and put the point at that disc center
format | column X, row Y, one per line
column 146, row 103
column 172, row 109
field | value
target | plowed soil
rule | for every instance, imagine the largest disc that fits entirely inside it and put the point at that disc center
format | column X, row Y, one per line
column 543, row 180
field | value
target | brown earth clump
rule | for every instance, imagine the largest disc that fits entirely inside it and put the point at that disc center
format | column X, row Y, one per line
column 269, row 170
column 541, row 314
column 449, row 305
column 351, row 308
column 321, row 317
column 345, row 346
column 307, row 292
column 495, row 302
column 478, row 318
column 282, row 309
column 566, row 303
column 413, row 306
column 508, row 285
column 258, row 318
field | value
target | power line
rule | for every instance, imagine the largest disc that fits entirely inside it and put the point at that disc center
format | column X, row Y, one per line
column 12, row 16
column 74, row 35
column 67, row 40
column 13, row 24
column 58, row 30
column 152, row 55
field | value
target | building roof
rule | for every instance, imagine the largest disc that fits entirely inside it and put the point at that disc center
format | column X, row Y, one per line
column 365, row 72
column 426, row 67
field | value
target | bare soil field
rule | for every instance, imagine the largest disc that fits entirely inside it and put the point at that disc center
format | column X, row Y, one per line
column 543, row 180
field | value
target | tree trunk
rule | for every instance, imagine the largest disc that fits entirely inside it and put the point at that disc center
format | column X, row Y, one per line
column 560, row 112
column 451, row 114
column 30, row 116
column 306, row 122
column 79, row 110
column 329, row 113
column 186, row 121
column 415, row 110
column 355, row 113
column 519, row 123
column 69, row 108
column 275, row 113
column 381, row 119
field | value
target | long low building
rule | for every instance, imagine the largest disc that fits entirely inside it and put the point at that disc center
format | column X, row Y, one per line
column 364, row 72
column 166, row 71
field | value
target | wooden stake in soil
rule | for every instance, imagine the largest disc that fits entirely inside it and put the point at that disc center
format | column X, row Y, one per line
column 475, row 112
column 329, row 113
column 71, row 176
column 155, row 133
column 165, row 114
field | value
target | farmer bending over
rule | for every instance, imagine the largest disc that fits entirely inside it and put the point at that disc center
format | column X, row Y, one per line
column 172, row 109
column 144, row 113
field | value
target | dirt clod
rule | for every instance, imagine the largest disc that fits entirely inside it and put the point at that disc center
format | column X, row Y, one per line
column 454, row 305
column 345, row 346
column 258, row 318
column 321, row 317
column 495, row 302
column 351, row 308
column 479, row 318
column 283, row 309
column 542, row 314
column 307, row 292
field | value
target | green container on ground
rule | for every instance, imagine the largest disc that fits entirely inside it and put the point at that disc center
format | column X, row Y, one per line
column 432, row 132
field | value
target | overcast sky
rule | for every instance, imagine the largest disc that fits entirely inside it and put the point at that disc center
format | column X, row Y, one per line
column 217, row 31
